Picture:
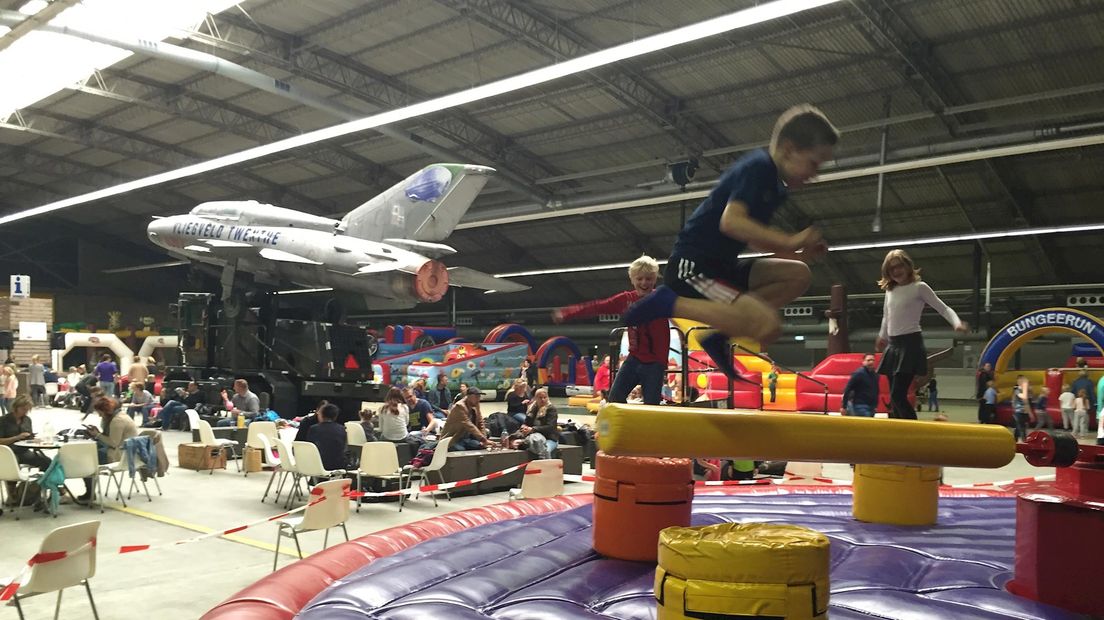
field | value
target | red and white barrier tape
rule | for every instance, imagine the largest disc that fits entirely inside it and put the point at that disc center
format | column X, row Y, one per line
column 1003, row 483
column 724, row 483
column 445, row 486
column 40, row 558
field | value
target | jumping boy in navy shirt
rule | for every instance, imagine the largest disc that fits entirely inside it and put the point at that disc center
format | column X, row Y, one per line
column 707, row 281
column 646, row 364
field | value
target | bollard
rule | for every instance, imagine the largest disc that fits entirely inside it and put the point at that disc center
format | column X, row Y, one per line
column 635, row 498
column 754, row 570
column 896, row 494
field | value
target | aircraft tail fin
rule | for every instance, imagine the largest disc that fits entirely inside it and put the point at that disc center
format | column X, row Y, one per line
column 425, row 206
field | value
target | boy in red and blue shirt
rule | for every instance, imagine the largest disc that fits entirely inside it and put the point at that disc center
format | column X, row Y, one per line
column 649, row 343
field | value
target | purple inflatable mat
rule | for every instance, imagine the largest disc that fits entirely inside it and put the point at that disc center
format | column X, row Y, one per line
column 543, row 568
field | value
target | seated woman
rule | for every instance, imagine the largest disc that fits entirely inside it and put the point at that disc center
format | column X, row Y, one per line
column 118, row 427
column 394, row 417
column 517, row 400
column 541, row 418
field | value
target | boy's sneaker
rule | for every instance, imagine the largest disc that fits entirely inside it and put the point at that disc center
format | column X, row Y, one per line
column 717, row 347
column 659, row 304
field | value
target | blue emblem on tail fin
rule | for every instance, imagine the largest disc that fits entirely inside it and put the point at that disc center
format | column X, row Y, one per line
column 429, row 185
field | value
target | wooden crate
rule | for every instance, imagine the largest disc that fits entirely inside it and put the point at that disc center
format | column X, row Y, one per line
column 200, row 457
column 253, row 460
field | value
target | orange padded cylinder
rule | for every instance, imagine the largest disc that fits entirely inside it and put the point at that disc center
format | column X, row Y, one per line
column 636, row 497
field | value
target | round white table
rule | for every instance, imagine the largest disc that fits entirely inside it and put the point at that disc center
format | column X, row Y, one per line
column 53, row 444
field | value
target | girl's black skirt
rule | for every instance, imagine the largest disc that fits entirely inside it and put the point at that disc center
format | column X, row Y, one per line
column 905, row 355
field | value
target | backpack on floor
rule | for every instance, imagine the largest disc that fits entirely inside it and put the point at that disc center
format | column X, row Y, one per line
column 424, row 455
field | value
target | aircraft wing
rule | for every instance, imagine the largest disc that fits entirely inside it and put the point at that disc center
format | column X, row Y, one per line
column 223, row 243
column 219, row 248
column 470, row 278
column 380, row 267
column 286, row 257
column 425, row 248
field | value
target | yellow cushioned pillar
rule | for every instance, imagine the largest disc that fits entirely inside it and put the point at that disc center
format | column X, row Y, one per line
column 896, row 494
column 742, row 569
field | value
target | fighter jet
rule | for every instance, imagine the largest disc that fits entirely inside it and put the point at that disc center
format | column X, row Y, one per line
column 385, row 250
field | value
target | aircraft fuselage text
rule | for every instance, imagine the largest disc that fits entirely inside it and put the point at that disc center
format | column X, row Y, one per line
column 211, row 230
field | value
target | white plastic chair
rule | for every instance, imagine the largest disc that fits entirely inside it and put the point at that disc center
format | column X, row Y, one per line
column 78, row 541
column 10, row 471
column 543, row 478
column 115, row 472
column 155, row 439
column 378, row 459
column 308, row 463
column 355, row 438
column 193, row 419
column 287, row 468
column 81, row 460
column 270, row 460
column 207, row 438
column 256, row 430
column 331, row 511
column 440, row 454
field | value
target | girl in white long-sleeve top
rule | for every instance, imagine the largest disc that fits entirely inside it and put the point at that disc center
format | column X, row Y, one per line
column 906, row 357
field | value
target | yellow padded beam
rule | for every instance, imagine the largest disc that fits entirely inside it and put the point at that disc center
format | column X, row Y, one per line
column 649, row 430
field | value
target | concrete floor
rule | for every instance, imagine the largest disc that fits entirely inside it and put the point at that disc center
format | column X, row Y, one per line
column 184, row 581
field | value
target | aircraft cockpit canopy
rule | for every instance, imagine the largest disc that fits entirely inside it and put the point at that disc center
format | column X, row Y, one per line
column 230, row 210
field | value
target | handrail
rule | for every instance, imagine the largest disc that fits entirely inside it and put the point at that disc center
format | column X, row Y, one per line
column 684, row 339
column 732, row 394
column 790, row 370
column 731, row 385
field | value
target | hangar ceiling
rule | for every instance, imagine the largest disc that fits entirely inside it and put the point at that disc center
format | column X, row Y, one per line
column 937, row 76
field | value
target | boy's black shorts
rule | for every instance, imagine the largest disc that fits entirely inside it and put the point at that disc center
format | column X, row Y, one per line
column 721, row 281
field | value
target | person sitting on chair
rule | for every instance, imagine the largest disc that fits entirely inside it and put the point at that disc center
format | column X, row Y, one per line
column 16, row 426
column 329, row 437
column 243, row 402
column 117, row 428
column 185, row 400
column 141, row 401
column 465, row 434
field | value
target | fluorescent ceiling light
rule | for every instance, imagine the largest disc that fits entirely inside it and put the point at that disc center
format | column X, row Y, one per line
column 33, row 7
column 1049, row 230
column 827, row 177
column 300, row 291
column 42, row 63
column 719, row 25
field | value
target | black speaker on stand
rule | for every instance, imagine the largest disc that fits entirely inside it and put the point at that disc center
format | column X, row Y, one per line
column 7, row 342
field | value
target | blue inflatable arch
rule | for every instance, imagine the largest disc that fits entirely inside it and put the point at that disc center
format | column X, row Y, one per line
column 1032, row 325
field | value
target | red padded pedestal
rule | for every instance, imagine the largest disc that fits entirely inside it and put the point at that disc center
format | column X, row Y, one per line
column 1060, row 540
